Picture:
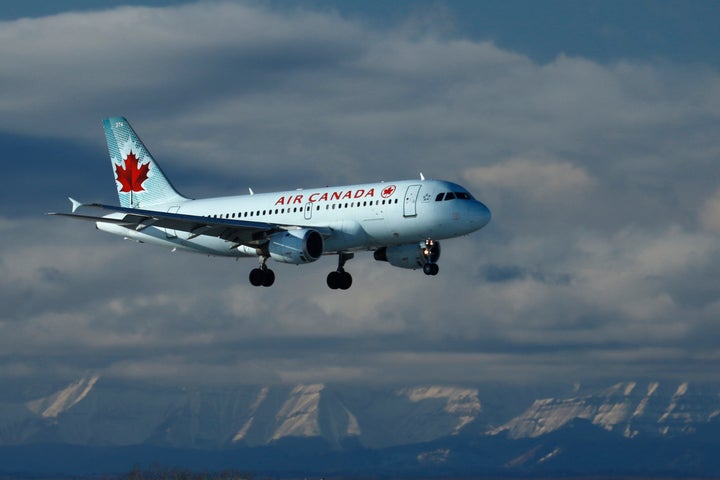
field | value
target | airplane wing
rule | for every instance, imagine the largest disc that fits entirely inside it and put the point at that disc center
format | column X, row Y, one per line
column 238, row 232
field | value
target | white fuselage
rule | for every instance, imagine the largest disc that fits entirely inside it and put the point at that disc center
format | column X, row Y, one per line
column 361, row 217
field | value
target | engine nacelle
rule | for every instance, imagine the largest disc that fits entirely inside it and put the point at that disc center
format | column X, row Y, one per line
column 412, row 256
column 296, row 246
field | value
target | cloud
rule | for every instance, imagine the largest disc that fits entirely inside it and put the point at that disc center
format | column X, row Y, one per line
column 536, row 180
column 601, row 258
column 710, row 213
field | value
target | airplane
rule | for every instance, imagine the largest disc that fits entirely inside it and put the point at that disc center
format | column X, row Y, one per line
column 401, row 222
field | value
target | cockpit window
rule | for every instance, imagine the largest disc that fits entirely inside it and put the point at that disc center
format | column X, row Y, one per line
column 452, row 196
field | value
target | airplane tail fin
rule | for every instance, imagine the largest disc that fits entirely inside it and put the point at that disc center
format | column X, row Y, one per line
column 140, row 181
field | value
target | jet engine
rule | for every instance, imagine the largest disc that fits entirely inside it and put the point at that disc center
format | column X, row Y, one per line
column 296, row 246
column 412, row 256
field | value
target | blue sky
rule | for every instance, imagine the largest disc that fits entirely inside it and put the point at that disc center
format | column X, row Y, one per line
column 589, row 128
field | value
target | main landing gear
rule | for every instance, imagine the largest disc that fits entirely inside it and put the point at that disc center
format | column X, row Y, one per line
column 340, row 279
column 262, row 276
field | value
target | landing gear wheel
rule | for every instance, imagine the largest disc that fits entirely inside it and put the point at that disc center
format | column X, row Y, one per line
column 262, row 277
column 256, row 277
column 345, row 280
column 269, row 278
column 431, row 269
column 340, row 279
column 333, row 280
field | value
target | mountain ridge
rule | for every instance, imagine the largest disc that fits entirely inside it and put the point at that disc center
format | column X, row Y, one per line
column 404, row 430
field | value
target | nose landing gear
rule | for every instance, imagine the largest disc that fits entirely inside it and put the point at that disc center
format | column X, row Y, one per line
column 431, row 269
column 431, row 254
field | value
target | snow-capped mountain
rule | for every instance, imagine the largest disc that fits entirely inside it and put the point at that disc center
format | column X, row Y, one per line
column 89, row 412
column 656, row 427
column 630, row 409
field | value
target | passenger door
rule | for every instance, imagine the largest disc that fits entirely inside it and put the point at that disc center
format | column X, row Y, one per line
column 409, row 207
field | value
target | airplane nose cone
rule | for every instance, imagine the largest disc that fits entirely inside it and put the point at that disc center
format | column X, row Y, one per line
column 482, row 214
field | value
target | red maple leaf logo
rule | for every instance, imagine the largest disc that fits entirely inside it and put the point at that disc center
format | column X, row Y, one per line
column 132, row 177
column 388, row 191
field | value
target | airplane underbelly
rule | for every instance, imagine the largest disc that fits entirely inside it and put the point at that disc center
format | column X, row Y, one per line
column 349, row 235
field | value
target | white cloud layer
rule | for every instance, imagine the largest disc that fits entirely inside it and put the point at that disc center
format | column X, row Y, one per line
column 602, row 258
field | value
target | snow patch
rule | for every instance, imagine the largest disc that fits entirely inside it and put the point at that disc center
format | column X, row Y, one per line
column 641, row 407
column 545, row 416
column 630, row 433
column 243, row 431
column 550, row 455
column 260, row 399
column 682, row 389
column 262, row 395
column 353, row 428
column 610, row 415
column 299, row 416
column 614, row 389
column 64, row 400
column 463, row 402
column 668, row 412
column 435, row 457
column 629, row 388
column 652, row 388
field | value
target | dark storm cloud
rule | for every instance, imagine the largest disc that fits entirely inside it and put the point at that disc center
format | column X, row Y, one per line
column 601, row 259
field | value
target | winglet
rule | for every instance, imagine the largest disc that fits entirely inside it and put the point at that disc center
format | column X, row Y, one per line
column 422, row 177
column 75, row 204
